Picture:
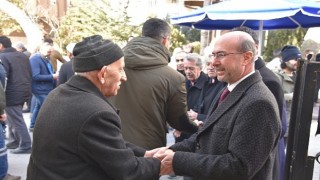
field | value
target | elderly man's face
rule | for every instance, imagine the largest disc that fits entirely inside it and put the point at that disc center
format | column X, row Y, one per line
column 191, row 70
column 211, row 70
column 114, row 76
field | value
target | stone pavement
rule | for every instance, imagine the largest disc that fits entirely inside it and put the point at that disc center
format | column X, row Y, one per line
column 18, row 163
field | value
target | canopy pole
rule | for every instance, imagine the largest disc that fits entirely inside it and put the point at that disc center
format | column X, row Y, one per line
column 260, row 37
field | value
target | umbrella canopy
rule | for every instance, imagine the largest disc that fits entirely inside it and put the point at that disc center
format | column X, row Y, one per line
column 256, row 14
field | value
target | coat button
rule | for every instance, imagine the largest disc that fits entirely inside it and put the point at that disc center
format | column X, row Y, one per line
column 198, row 145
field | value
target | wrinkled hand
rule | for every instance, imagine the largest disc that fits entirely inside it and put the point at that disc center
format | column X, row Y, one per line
column 151, row 153
column 176, row 133
column 3, row 117
column 166, row 162
column 192, row 115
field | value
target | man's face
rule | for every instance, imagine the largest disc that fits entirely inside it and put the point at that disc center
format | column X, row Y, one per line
column 228, row 62
column 179, row 61
column 191, row 70
column 46, row 50
column 292, row 65
column 114, row 76
column 211, row 70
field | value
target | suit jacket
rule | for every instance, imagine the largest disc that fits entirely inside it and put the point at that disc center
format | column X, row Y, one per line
column 81, row 139
column 238, row 140
column 271, row 80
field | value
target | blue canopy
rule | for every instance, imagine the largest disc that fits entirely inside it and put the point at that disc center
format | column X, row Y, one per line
column 256, row 14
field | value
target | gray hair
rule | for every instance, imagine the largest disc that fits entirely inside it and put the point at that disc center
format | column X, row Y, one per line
column 194, row 57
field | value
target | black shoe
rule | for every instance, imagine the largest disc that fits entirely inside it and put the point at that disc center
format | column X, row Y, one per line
column 21, row 151
column 12, row 145
column 30, row 129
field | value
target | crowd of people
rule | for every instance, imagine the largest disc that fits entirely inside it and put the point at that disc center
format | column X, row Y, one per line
column 105, row 114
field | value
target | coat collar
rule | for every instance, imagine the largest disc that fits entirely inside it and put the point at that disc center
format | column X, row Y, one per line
column 259, row 63
column 86, row 85
column 232, row 99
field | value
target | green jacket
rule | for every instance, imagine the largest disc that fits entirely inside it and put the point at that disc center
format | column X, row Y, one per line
column 153, row 95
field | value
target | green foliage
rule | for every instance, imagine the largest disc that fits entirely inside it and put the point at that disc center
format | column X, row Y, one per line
column 8, row 24
column 278, row 38
column 191, row 34
column 87, row 18
column 177, row 39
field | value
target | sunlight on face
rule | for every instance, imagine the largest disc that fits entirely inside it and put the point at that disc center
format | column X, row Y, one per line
column 114, row 76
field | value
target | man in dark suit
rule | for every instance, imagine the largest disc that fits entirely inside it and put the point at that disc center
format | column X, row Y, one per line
column 240, row 136
column 81, row 137
column 272, row 82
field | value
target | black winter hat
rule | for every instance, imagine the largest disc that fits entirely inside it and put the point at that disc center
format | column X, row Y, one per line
column 289, row 52
column 94, row 52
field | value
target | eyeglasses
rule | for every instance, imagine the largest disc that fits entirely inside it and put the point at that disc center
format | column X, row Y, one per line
column 221, row 54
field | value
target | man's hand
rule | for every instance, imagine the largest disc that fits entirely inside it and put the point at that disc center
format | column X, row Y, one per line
column 151, row 153
column 192, row 115
column 166, row 162
column 176, row 133
column 3, row 117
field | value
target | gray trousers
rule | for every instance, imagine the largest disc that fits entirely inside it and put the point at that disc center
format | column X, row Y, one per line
column 18, row 132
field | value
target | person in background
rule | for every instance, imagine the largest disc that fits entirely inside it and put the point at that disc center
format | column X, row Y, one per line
column 273, row 84
column 66, row 70
column 179, row 58
column 18, row 91
column 19, row 46
column 54, row 56
column 307, row 54
column 154, row 94
column 289, row 56
column 239, row 139
column 43, row 79
column 208, row 93
column 78, row 132
column 195, row 82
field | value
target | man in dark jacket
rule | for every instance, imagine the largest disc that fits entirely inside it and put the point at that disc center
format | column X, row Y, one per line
column 239, row 139
column 18, row 91
column 78, row 132
column 155, row 94
column 272, row 82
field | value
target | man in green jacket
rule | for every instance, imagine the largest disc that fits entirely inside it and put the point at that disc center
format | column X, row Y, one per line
column 155, row 94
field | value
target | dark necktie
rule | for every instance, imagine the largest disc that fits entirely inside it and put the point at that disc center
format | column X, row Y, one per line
column 224, row 95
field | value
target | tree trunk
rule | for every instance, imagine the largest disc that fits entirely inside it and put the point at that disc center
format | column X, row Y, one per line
column 32, row 31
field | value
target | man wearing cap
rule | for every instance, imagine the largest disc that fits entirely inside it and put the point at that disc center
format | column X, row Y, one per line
column 289, row 56
column 78, row 132
column 66, row 70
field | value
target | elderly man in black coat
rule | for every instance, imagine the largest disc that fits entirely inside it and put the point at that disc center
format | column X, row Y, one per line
column 239, row 139
column 78, row 133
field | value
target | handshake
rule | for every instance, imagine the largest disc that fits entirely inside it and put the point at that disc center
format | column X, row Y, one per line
column 165, row 155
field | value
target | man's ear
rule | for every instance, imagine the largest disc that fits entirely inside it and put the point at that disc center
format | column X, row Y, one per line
column 102, row 74
column 248, row 56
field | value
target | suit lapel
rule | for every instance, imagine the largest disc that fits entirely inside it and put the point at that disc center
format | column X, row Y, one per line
column 232, row 99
